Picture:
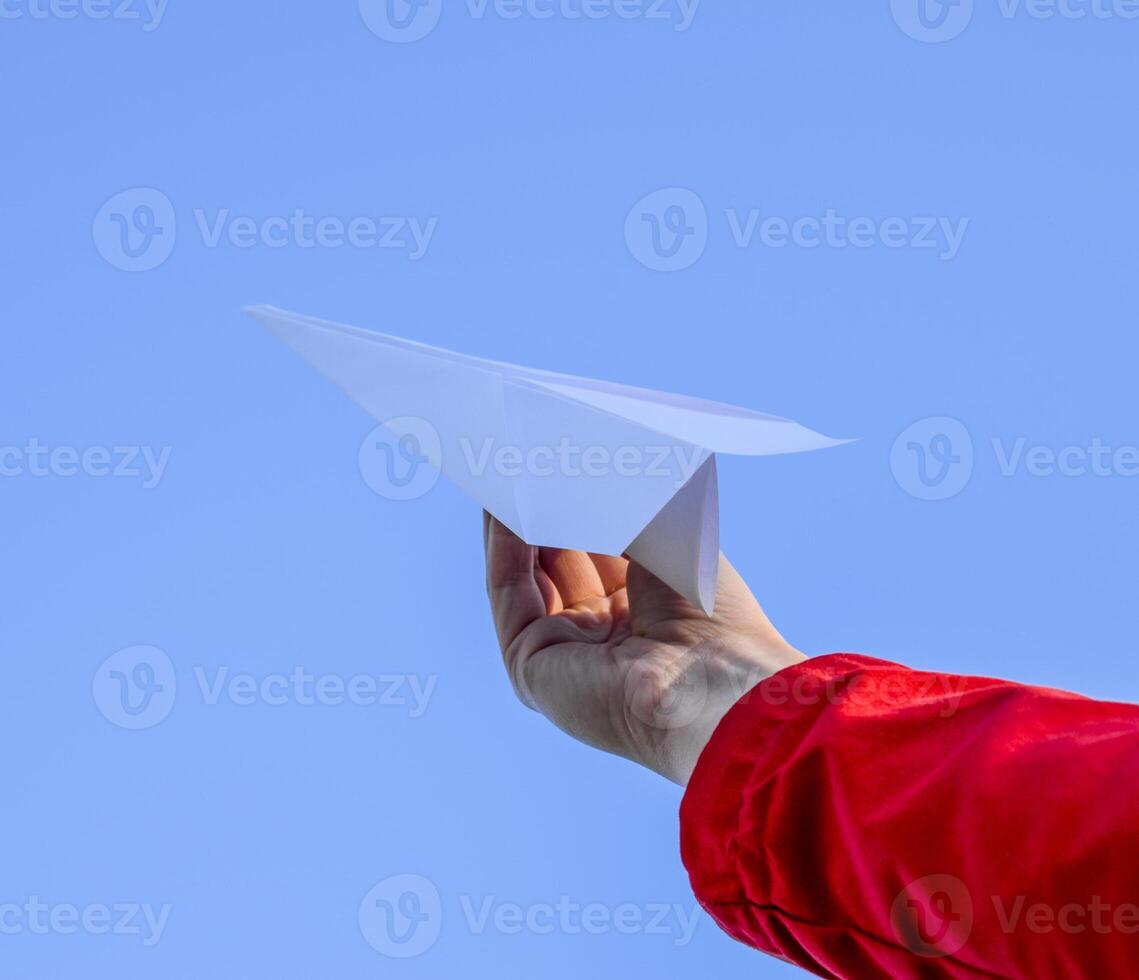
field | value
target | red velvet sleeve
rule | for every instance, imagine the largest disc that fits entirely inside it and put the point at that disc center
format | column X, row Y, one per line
column 860, row 819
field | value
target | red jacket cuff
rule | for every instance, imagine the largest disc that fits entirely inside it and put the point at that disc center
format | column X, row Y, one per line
column 719, row 830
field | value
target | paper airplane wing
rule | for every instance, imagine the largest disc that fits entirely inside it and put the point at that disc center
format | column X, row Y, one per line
column 562, row 461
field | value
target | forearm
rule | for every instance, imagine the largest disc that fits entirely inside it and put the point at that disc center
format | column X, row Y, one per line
column 861, row 819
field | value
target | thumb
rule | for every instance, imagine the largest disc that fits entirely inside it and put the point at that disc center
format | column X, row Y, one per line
column 658, row 612
column 653, row 603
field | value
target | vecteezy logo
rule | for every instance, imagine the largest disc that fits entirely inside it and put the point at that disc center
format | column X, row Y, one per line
column 933, row 459
column 933, row 916
column 668, row 230
column 932, row 21
column 135, row 688
column 401, row 21
column 667, row 694
column 136, row 230
column 401, row 459
column 402, row 916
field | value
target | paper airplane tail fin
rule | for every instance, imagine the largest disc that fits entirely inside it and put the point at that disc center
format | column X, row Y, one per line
column 681, row 545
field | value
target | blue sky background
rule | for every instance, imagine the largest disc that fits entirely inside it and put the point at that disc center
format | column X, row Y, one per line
column 261, row 548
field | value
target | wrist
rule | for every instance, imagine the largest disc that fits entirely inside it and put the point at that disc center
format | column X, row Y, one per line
column 713, row 678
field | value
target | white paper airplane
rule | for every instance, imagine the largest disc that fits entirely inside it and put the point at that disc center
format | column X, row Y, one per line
column 564, row 462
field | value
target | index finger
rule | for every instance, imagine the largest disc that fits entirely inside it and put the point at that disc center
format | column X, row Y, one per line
column 516, row 598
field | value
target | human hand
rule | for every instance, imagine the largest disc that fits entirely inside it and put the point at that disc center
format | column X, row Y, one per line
column 613, row 656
